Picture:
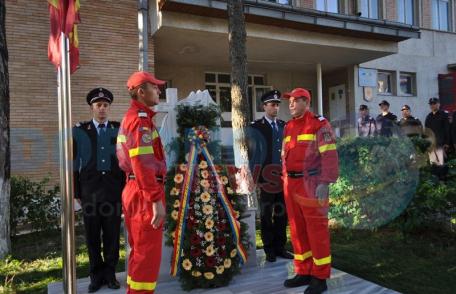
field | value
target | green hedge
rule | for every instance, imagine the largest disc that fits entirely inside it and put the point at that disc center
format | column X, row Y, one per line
column 388, row 179
column 33, row 205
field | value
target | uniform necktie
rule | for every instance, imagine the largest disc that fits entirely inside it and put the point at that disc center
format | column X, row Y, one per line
column 102, row 129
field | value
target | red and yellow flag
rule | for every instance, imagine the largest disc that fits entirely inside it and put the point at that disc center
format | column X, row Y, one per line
column 64, row 17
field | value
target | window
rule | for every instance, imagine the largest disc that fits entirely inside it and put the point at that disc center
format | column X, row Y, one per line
column 385, row 80
column 219, row 86
column 440, row 15
column 328, row 5
column 369, row 8
column 284, row 2
column 407, row 84
column 406, row 11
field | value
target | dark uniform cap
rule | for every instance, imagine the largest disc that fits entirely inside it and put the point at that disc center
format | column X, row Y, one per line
column 363, row 107
column 99, row 94
column 434, row 100
column 384, row 102
column 405, row 107
column 271, row 96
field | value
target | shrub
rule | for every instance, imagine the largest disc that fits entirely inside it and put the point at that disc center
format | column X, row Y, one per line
column 34, row 205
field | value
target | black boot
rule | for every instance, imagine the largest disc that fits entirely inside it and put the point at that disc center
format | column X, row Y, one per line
column 316, row 286
column 271, row 257
column 297, row 281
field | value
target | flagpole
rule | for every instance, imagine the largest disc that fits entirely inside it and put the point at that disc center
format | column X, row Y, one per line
column 66, row 169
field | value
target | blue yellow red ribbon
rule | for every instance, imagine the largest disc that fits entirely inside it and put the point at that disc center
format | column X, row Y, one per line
column 183, row 209
column 184, row 205
column 234, row 223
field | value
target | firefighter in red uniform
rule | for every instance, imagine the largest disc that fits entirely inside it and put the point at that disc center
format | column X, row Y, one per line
column 141, row 156
column 310, row 164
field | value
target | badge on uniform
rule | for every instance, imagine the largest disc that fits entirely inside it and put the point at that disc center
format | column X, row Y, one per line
column 142, row 114
column 146, row 138
column 143, row 129
column 327, row 137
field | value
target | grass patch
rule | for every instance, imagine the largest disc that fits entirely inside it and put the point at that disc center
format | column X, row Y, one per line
column 420, row 263
column 36, row 261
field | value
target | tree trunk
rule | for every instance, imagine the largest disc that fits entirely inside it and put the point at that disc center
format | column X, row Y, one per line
column 5, row 244
column 240, row 107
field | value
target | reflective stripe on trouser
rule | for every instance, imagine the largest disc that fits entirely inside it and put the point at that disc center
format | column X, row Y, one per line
column 144, row 240
column 309, row 228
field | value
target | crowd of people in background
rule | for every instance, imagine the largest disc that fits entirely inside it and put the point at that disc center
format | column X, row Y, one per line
column 439, row 128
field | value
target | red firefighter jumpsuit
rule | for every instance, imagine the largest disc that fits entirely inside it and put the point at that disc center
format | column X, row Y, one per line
column 141, row 156
column 309, row 158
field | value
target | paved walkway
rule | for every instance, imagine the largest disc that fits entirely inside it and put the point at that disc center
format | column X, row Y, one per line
column 265, row 278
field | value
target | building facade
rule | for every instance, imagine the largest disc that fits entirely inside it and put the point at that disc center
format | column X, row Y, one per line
column 347, row 52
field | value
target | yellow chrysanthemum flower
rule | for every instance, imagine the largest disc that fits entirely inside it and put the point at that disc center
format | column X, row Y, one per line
column 175, row 214
column 203, row 164
column 187, row 264
column 227, row 263
column 205, row 183
column 229, row 190
column 207, row 209
column 176, row 203
column 209, row 223
column 233, row 253
column 224, row 180
column 178, row 178
column 209, row 236
column 205, row 174
column 196, row 273
column 205, row 197
column 210, row 250
column 209, row 275
column 220, row 269
column 174, row 191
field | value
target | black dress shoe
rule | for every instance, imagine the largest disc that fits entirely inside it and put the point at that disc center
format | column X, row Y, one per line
column 113, row 284
column 285, row 254
column 297, row 281
column 94, row 287
column 316, row 286
column 271, row 257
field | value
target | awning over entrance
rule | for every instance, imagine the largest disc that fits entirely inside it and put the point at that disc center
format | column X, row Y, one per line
column 189, row 33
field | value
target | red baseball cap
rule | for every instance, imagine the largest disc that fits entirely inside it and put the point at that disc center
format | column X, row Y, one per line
column 298, row 93
column 141, row 77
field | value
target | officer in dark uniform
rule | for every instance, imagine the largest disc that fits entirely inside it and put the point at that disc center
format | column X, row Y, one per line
column 410, row 125
column 98, row 184
column 437, row 127
column 265, row 143
column 386, row 121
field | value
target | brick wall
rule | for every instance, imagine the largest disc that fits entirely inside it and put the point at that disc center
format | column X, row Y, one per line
column 108, row 54
column 390, row 10
column 304, row 3
column 427, row 14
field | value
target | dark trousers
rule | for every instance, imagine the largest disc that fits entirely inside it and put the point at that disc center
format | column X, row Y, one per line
column 102, row 225
column 273, row 221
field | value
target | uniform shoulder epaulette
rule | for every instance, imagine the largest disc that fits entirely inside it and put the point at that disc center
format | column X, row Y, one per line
column 256, row 121
column 142, row 114
column 320, row 118
column 81, row 124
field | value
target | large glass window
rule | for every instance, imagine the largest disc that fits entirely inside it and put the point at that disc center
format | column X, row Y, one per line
column 385, row 80
column 219, row 87
column 406, row 11
column 369, row 8
column 440, row 15
column 407, row 83
column 285, row 2
column 328, row 5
